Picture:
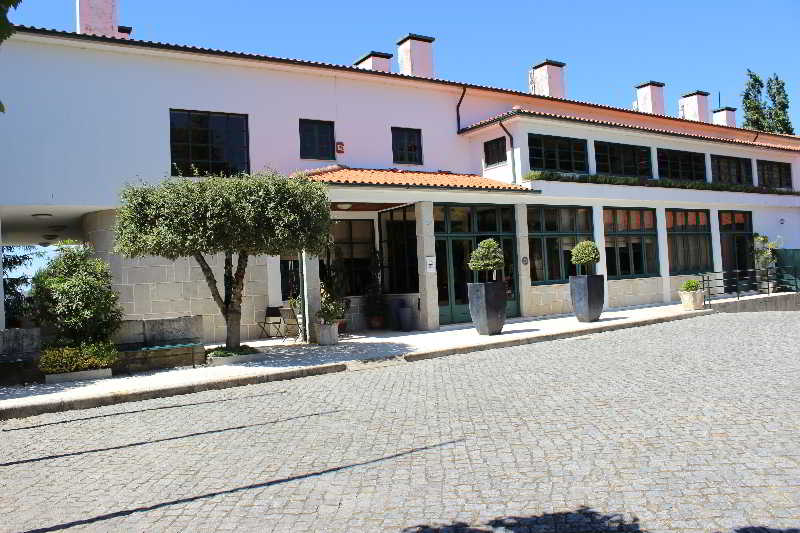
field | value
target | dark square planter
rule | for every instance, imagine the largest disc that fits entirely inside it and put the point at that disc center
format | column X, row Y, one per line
column 587, row 294
column 487, row 305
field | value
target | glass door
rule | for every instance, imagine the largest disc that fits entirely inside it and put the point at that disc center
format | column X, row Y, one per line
column 736, row 237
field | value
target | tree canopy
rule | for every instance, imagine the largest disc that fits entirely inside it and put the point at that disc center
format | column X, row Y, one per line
column 770, row 116
column 6, row 28
column 778, row 111
column 755, row 116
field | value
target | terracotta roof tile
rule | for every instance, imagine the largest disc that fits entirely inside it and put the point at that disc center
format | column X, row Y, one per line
column 339, row 174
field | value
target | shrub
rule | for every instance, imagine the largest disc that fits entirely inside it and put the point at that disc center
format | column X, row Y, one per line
column 222, row 351
column 690, row 285
column 585, row 253
column 487, row 256
column 73, row 293
column 87, row 356
column 330, row 309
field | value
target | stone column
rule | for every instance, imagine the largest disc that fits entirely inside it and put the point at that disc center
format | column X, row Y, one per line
column 754, row 166
column 590, row 156
column 525, row 294
column 311, row 296
column 600, row 240
column 716, row 249
column 273, row 266
column 708, row 168
column 654, row 162
column 2, row 293
column 426, row 248
column 663, row 253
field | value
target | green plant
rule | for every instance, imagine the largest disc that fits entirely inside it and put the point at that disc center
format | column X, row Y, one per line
column 296, row 303
column 73, row 293
column 86, row 356
column 690, row 285
column 585, row 254
column 764, row 250
column 221, row 351
column 488, row 256
column 14, row 282
column 331, row 310
column 260, row 214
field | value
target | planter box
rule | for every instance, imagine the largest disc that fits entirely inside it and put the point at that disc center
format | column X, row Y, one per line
column 587, row 294
column 487, row 306
column 692, row 301
column 234, row 359
column 78, row 376
column 328, row 334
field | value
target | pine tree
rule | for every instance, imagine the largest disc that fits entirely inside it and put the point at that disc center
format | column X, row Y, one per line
column 778, row 110
column 755, row 116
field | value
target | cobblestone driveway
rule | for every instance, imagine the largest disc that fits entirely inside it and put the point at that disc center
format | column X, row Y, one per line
column 690, row 425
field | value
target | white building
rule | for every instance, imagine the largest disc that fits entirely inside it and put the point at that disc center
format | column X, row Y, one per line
column 428, row 168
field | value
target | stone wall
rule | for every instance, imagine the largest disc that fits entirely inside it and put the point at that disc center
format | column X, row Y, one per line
column 547, row 300
column 154, row 287
column 788, row 301
column 20, row 344
column 159, row 331
column 638, row 291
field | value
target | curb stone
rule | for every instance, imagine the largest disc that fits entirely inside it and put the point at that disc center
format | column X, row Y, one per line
column 112, row 398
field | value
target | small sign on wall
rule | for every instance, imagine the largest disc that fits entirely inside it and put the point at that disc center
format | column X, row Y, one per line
column 339, row 147
column 430, row 264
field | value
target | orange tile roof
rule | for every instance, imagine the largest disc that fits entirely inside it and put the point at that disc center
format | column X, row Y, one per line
column 340, row 174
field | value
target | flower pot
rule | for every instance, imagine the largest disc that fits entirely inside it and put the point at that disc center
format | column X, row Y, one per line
column 406, row 318
column 342, row 325
column 376, row 322
column 692, row 300
column 587, row 293
column 487, row 305
column 329, row 334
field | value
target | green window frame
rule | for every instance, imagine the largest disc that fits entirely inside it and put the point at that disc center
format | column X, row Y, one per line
column 407, row 146
column 553, row 230
column 347, row 261
column 631, row 242
column 736, row 221
column 317, row 139
column 680, row 165
column 494, row 152
column 728, row 169
column 774, row 174
column 560, row 154
column 689, row 241
column 397, row 228
column 623, row 159
column 208, row 143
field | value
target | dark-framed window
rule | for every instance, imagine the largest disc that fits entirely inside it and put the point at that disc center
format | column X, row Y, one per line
column 736, row 222
column 347, row 261
column 317, row 139
column 774, row 174
column 561, row 154
column 727, row 169
column 680, row 165
column 398, row 238
column 553, row 231
column 208, row 143
column 623, row 159
column 407, row 146
column 689, row 241
column 494, row 152
column 631, row 242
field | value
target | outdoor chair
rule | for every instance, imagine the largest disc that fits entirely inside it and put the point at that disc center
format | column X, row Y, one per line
column 290, row 318
column 271, row 325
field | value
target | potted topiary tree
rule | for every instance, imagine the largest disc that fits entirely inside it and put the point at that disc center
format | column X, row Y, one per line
column 329, row 314
column 487, row 299
column 586, row 290
column 691, row 293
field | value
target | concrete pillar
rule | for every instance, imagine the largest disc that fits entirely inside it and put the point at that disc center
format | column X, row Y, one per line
column 663, row 253
column 426, row 249
column 523, row 260
column 708, row 167
column 2, row 292
column 311, row 296
column 600, row 240
column 591, row 159
column 273, row 266
column 716, row 241
column 654, row 162
column 754, row 166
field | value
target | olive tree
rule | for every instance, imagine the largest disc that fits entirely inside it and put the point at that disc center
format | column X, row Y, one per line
column 260, row 214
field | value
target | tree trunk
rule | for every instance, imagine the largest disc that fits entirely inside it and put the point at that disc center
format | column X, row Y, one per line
column 233, row 335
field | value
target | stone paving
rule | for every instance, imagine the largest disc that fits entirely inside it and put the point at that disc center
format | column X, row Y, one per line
column 683, row 426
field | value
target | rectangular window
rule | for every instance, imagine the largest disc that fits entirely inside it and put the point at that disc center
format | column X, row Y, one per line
column 494, row 152
column 290, row 278
column 203, row 143
column 680, row 165
column 689, row 241
column 552, row 233
column 774, row 175
column 347, row 262
column 560, row 154
column 398, row 235
column 407, row 146
column 736, row 170
column 317, row 140
column 623, row 159
column 631, row 242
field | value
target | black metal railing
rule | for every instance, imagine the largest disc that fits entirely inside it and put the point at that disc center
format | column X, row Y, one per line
column 750, row 281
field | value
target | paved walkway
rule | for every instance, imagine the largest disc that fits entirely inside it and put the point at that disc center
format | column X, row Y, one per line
column 676, row 427
column 281, row 356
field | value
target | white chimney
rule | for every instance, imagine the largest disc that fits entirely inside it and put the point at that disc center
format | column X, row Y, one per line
column 650, row 97
column 380, row 61
column 99, row 17
column 694, row 106
column 415, row 55
column 547, row 79
column 725, row 116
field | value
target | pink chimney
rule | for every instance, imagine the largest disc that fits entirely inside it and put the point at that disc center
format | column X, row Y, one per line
column 415, row 55
column 650, row 97
column 547, row 79
column 725, row 116
column 380, row 61
column 99, row 17
column 694, row 106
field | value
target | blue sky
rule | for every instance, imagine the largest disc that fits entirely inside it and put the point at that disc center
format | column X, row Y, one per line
column 609, row 47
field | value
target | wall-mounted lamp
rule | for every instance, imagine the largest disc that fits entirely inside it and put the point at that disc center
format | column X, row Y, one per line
column 781, row 221
column 344, row 207
column 42, row 215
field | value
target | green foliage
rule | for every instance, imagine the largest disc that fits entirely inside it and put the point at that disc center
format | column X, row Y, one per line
column 487, row 256
column 221, row 351
column 585, row 253
column 547, row 175
column 331, row 309
column 764, row 250
column 778, row 120
column 86, row 356
column 15, row 257
column 755, row 109
column 6, row 28
column 690, row 285
column 73, row 294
